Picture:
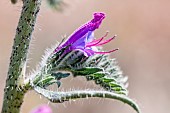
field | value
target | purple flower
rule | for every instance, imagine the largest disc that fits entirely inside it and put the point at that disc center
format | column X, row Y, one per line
column 42, row 109
column 83, row 38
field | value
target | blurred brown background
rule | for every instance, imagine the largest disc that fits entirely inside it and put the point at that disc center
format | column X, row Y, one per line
column 143, row 29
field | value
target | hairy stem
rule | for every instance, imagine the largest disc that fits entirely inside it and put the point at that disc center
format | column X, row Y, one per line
column 58, row 97
column 14, row 91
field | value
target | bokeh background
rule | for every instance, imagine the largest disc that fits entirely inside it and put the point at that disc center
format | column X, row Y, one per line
column 143, row 29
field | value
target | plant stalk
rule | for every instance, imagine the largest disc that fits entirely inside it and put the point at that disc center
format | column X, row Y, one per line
column 14, row 90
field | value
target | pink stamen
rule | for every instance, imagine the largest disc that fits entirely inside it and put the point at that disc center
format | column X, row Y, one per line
column 106, row 51
column 95, row 42
column 106, row 41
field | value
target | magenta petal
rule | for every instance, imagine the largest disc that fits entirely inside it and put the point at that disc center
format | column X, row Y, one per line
column 42, row 109
column 87, row 52
column 84, row 29
column 83, row 39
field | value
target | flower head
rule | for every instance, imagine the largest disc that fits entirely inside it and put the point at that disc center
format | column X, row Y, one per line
column 83, row 38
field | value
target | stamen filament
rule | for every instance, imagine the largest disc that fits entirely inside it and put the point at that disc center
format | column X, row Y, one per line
column 95, row 42
column 106, row 41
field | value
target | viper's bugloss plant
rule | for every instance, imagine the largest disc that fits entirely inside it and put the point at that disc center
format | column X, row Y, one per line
column 80, row 55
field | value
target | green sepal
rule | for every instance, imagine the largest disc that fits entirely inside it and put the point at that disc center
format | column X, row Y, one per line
column 107, row 80
column 60, row 75
column 98, row 75
column 46, row 80
column 58, row 83
column 86, row 71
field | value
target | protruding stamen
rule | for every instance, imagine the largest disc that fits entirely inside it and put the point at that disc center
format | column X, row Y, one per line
column 106, row 41
column 96, row 42
column 107, row 32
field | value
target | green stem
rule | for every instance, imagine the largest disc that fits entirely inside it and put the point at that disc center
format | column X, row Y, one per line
column 58, row 97
column 14, row 91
